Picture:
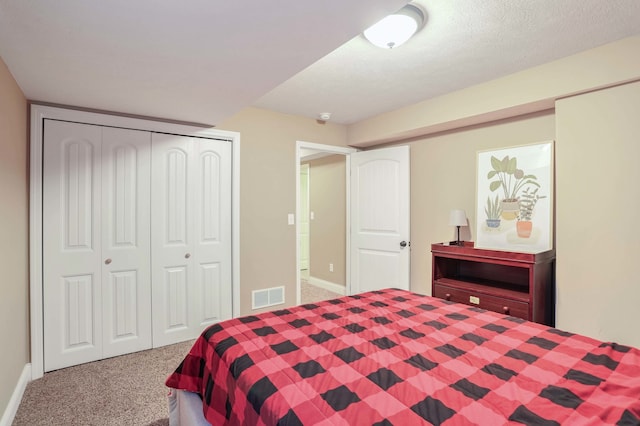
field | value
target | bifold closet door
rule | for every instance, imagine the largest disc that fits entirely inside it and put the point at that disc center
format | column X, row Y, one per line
column 96, row 268
column 190, row 236
column 126, row 241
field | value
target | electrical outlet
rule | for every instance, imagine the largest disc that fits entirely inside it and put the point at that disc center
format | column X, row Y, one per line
column 331, row 267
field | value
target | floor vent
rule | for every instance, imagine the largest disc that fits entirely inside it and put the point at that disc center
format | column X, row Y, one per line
column 267, row 297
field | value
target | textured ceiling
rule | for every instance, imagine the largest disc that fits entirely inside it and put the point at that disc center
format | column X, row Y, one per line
column 204, row 60
column 190, row 60
column 464, row 42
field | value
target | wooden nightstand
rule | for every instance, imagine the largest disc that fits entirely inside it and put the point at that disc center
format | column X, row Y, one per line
column 512, row 283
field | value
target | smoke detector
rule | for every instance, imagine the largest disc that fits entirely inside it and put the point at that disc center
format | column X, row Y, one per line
column 324, row 116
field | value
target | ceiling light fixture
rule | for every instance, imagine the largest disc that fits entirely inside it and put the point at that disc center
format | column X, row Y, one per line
column 396, row 29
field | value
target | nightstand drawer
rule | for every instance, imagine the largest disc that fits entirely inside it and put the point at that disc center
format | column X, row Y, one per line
column 491, row 303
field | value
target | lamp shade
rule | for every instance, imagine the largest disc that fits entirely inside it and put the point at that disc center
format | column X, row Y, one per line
column 457, row 218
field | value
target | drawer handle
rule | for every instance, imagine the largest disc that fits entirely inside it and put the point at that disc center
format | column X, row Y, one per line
column 447, row 296
column 505, row 309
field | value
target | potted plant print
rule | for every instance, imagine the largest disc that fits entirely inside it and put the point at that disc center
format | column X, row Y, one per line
column 493, row 210
column 528, row 202
column 512, row 180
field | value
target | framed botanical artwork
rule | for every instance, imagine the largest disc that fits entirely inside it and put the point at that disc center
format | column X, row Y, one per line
column 514, row 198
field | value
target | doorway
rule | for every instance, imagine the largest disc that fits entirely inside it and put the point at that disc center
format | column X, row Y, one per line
column 376, row 217
column 329, row 164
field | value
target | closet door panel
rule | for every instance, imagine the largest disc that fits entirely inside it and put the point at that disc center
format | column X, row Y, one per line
column 172, row 238
column 213, row 230
column 126, row 253
column 72, row 309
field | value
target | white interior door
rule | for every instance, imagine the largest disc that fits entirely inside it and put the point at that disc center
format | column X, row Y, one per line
column 380, row 219
column 191, row 236
column 72, row 243
column 126, row 245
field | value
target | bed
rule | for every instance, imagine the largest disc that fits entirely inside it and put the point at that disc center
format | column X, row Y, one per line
column 393, row 357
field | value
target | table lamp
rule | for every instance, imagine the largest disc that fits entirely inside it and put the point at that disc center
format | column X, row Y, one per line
column 457, row 218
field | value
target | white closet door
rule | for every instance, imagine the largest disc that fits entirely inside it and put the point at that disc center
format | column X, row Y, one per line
column 190, row 236
column 126, row 241
column 97, row 283
column 212, row 256
column 71, row 244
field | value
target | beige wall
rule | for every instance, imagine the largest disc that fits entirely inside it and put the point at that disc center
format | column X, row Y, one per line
column 598, row 205
column 327, row 200
column 534, row 89
column 443, row 177
column 268, row 194
column 14, row 302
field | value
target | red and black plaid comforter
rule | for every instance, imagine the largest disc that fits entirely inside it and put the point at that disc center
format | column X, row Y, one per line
column 395, row 357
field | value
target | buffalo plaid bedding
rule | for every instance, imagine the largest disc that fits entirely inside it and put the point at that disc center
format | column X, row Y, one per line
column 393, row 357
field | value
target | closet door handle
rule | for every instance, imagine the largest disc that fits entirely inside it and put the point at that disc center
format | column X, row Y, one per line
column 107, row 261
column 188, row 255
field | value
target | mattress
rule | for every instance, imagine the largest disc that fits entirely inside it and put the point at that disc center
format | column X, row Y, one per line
column 185, row 408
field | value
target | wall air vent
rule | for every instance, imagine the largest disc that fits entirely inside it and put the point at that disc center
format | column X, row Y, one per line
column 267, row 297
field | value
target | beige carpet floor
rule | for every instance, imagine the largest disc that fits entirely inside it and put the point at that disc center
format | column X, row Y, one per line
column 310, row 293
column 124, row 390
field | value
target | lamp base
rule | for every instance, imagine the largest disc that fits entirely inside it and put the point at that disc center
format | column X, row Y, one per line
column 456, row 243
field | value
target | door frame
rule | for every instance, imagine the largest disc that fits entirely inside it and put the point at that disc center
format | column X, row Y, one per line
column 302, row 200
column 301, row 147
column 41, row 112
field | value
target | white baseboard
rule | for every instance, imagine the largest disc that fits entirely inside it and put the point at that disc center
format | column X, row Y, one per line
column 327, row 285
column 16, row 397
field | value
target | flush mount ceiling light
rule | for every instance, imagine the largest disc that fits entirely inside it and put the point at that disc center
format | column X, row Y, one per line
column 396, row 29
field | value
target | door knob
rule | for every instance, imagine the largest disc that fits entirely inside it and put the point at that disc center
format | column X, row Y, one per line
column 403, row 244
column 107, row 261
column 188, row 255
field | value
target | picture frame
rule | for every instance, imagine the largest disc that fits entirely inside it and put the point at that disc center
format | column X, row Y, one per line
column 514, row 198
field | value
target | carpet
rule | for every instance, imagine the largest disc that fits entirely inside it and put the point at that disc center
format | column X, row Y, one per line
column 124, row 390
column 310, row 293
